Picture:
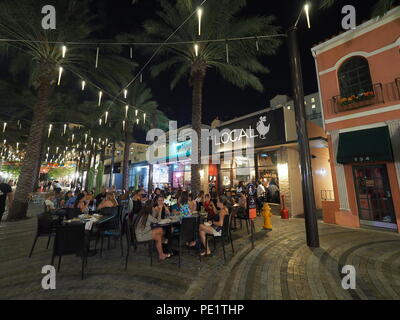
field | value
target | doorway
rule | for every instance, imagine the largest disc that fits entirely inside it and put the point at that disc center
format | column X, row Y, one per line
column 374, row 196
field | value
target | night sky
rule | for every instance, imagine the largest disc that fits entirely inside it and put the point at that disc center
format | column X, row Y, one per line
column 221, row 98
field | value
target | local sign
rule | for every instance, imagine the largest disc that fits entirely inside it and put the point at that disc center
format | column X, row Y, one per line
column 266, row 129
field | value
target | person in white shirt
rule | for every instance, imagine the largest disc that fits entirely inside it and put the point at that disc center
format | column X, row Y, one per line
column 49, row 203
column 260, row 195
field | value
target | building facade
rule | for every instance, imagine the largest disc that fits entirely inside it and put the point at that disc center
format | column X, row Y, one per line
column 359, row 79
column 312, row 104
column 275, row 156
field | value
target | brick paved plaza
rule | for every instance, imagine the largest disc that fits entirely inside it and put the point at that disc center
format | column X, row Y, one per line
column 280, row 267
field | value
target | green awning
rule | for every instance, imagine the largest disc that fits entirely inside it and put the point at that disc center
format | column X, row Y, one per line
column 365, row 146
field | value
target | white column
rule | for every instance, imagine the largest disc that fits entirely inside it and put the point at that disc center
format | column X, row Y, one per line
column 340, row 174
column 394, row 130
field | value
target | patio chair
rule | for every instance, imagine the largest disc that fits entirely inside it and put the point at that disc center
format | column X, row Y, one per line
column 188, row 233
column 132, row 241
column 225, row 236
column 70, row 239
column 45, row 228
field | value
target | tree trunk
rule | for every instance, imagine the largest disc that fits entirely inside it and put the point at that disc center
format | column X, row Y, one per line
column 151, row 167
column 197, row 80
column 112, row 164
column 37, row 172
column 34, row 146
column 127, row 151
column 89, row 165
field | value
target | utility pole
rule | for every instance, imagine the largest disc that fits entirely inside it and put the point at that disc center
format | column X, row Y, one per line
column 302, row 136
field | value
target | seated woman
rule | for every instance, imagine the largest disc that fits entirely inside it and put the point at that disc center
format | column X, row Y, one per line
column 199, row 200
column 81, row 203
column 192, row 203
column 184, row 208
column 108, row 202
column 160, row 210
column 242, row 210
column 216, row 226
column 144, row 232
column 209, row 207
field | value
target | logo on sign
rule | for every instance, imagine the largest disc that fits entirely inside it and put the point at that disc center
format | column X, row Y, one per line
column 235, row 135
column 262, row 128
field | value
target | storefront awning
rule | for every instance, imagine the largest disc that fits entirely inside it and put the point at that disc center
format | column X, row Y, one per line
column 365, row 146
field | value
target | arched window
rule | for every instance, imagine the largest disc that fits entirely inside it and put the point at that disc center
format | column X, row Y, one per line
column 354, row 77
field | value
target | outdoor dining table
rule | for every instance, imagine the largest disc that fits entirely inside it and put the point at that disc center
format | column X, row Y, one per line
column 88, row 228
column 175, row 221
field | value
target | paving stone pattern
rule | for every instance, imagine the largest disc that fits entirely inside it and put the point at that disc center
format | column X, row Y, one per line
column 280, row 266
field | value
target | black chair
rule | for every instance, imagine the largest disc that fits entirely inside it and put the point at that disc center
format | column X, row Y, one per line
column 45, row 228
column 188, row 233
column 110, row 228
column 132, row 241
column 225, row 236
column 242, row 215
column 71, row 213
column 109, row 211
column 70, row 239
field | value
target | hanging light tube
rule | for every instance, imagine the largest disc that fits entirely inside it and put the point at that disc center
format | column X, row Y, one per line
column 60, row 71
column 100, row 96
column 199, row 16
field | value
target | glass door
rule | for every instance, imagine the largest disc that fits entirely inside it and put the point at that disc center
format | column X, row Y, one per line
column 374, row 197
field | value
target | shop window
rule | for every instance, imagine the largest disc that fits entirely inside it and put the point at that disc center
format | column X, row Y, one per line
column 354, row 77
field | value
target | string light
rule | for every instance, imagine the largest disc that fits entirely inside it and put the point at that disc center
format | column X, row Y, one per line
column 131, row 52
column 83, row 85
column 126, row 111
column 199, row 15
column 97, row 57
column 17, row 145
column 100, row 96
column 72, row 138
column 307, row 10
column 50, row 127
column 60, row 71
column 100, row 121
column 144, row 117
column 137, row 121
column 136, row 112
column 123, row 125
column 257, row 45
column 125, row 93
column 64, row 50
column 196, row 50
column 86, row 136
column 4, row 126
column 106, row 118
column 57, row 150
column 65, row 128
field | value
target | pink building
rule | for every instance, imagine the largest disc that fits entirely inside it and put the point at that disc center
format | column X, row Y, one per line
column 359, row 81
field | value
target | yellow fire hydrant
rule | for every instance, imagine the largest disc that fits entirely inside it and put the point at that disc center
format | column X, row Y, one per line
column 267, row 217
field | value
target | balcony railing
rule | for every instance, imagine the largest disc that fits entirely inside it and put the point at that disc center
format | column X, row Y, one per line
column 370, row 98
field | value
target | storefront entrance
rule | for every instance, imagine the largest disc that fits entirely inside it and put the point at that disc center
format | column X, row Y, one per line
column 374, row 197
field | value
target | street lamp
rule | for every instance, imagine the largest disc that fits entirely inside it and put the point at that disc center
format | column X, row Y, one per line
column 302, row 134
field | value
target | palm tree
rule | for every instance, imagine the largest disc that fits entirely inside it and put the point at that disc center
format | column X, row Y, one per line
column 141, row 97
column 22, row 22
column 380, row 8
column 237, row 61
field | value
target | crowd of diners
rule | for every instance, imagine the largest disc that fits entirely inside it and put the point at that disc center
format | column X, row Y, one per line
column 146, row 210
